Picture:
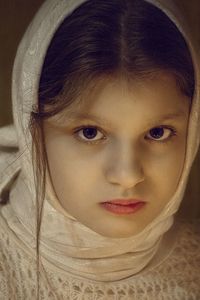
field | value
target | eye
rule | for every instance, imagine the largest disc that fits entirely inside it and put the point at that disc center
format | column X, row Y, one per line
column 89, row 134
column 161, row 133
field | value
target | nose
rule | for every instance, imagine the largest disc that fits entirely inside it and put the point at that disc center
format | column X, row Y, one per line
column 124, row 167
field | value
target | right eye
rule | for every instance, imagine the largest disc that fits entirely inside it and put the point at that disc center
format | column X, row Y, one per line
column 89, row 134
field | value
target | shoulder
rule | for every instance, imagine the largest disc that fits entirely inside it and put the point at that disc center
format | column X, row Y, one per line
column 188, row 238
column 185, row 254
column 17, row 270
column 180, row 271
column 187, row 249
column 177, row 276
column 5, row 256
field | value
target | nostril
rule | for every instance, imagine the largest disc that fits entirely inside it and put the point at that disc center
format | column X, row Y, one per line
column 127, row 178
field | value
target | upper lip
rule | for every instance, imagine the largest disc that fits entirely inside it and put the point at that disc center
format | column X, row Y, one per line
column 124, row 201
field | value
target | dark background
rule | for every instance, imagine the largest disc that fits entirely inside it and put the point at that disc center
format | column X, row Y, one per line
column 15, row 16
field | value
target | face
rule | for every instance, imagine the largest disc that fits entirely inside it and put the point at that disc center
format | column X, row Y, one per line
column 123, row 143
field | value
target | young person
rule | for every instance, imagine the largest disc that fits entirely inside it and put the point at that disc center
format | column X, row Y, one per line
column 106, row 111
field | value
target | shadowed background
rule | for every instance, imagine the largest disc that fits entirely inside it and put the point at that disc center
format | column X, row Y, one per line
column 15, row 15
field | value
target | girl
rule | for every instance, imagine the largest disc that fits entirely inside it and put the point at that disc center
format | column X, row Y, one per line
column 106, row 111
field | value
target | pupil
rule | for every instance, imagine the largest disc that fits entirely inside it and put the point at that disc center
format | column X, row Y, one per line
column 89, row 133
column 157, row 132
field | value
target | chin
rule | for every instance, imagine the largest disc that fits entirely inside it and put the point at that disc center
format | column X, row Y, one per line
column 120, row 233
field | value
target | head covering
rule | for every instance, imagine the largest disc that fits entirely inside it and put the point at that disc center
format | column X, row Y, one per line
column 65, row 242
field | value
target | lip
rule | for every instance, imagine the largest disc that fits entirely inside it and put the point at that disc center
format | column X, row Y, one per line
column 123, row 206
column 124, row 201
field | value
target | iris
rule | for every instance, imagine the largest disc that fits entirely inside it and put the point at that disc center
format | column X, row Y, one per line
column 90, row 132
column 157, row 132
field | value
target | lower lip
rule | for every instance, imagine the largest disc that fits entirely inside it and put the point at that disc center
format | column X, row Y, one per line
column 123, row 209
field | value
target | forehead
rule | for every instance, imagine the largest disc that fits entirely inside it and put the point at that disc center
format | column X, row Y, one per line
column 159, row 90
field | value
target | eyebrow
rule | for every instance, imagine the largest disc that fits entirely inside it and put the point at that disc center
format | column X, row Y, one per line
column 170, row 116
column 86, row 116
column 102, row 121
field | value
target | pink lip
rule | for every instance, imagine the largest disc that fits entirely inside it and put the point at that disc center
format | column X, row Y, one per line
column 124, row 201
column 123, row 206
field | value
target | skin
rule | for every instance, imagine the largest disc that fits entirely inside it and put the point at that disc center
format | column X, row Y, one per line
column 124, row 159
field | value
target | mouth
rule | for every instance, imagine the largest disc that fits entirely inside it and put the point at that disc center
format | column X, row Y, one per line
column 123, row 206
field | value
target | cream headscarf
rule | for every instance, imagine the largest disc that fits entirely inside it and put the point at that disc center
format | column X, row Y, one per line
column 65, row 242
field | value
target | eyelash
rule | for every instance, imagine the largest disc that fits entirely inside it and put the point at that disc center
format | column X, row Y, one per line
column 94, row 142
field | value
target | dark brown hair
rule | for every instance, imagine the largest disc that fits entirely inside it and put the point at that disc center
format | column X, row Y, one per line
column 129, row 38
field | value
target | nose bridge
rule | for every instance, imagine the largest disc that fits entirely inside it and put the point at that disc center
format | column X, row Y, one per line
column 125, row 166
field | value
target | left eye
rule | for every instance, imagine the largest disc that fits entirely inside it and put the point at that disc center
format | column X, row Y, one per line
column 160, row 133
column 90, row 134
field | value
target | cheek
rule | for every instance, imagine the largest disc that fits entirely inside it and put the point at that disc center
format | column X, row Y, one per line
column 166, row 169
column 73, row 174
